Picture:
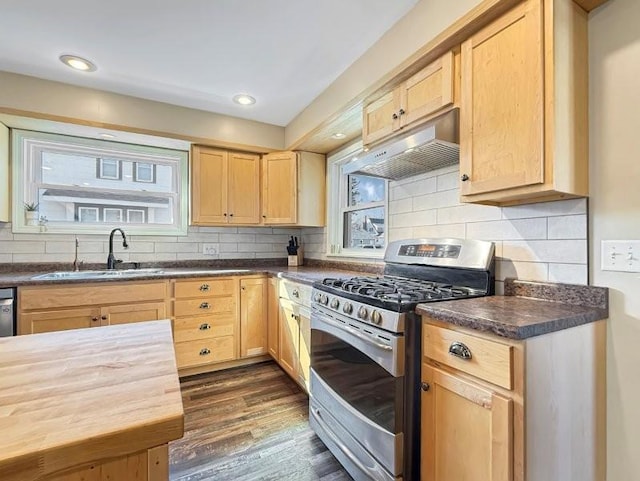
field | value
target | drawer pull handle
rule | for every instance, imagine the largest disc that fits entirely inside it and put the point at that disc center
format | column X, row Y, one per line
column 94, row 318
column 205, row 352
column 205, row 327
column 460, row 350
column 295, row 293
column 204, row 287
column 205, row 305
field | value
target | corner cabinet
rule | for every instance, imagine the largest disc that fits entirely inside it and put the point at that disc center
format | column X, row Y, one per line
column 253, row 316
column 413, row 101
column 293, row 189
column 225, row 187
column 523, row 106
column 496, row 409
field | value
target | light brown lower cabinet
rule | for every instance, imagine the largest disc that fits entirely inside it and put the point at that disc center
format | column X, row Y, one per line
column 495, row 409
column 253, row 316
column 273, row 321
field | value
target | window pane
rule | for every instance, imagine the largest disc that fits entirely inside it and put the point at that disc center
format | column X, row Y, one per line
column 135, row 216
column 109, row 169
column 363, row 189
column 87, row 214
column 144, row 172
column 364, row 229
column 112, row 215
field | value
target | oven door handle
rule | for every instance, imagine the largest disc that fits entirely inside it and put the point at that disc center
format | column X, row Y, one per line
column 347, row 452
column 355, row 333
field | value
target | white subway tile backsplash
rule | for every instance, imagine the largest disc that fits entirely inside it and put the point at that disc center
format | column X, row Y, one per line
column 535, row 228
column 557, row 251
column 546, row 209
column 468, row 213
column 400, row 233
column 400, row 206
column 531, row 271
column 22, row 247
column 446, row 230
column 238, row 255
column 6, row 258
column 569, row 273
column 244, row 238
column 568, row 227
column 177, row 247
column 436, row 200
column 413, row 188
column 242, row 247
column 448, row 181
column 226, row 248
column 425, row 217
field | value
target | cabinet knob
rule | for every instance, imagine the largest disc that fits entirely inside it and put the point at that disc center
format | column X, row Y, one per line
column 104, row 318
column 460, row 350
column 225, row 214
column 264, row 216
column 204, row 287
column 95, row 318
column 205, row 352
column 230, row 215
column 205, row 305
column 394, row 116
column 464, row 177
column 295, row 293
column 401, row 112
column 425, row 386
column 205, row 327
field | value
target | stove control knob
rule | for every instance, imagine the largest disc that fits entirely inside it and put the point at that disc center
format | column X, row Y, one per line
column 317, row 297
column 335, row 303
column 324, row 299
column 347, row 308
column 376, row 317
column 363, row 313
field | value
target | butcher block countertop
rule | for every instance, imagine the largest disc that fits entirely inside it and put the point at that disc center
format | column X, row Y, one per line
column 78, row 397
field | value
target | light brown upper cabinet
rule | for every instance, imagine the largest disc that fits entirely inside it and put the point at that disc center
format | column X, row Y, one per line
column 293, row 188
column 523, row 106
column 412, row 102
column 225, row 187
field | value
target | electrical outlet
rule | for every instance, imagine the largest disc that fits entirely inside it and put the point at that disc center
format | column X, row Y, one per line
column 621, row 256
column 210, row 249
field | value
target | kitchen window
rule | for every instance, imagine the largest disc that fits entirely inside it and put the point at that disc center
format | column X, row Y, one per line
column 89, row 185
column 358, row 209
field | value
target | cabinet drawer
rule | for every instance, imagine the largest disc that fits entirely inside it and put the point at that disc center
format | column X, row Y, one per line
column 205, row 288
column 205, row 306
column 195, row 353
column 489, row 360
column 205, row 327
column 300, row 293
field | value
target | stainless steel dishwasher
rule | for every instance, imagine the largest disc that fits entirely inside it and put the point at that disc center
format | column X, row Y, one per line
column 7, row 312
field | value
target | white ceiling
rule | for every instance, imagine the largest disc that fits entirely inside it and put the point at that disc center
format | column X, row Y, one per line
column 198, row 53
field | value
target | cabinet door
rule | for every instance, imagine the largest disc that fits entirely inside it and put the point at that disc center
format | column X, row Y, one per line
column 304, row 350
column 244, row 188
column 502, row 103
column 125, row 314
column 466, row 431
column 428, row 91
column 209, row 186
column 273, row 320
column 253, row 317
column 279, row 188
column 380, row 118
column 59, row 320
column 289, row 338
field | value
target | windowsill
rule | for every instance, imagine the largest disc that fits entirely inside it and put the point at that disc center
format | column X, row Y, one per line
column 98, row 229
column 359, row 254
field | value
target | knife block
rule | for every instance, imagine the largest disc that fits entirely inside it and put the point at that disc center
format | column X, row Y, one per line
column 298, row 259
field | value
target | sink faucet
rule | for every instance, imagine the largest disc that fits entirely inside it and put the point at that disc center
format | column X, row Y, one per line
column 76, row 264
column 111, row 260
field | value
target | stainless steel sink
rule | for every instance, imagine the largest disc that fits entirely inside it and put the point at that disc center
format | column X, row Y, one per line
column 97, row 274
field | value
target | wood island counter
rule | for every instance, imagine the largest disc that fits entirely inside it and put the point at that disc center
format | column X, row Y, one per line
column 89, row 404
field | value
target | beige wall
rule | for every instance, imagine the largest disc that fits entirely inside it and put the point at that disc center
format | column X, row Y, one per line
column 426, row 20
column 614, row 59
column 46, row 97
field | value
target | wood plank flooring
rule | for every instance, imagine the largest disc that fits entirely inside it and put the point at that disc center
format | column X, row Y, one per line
column 249, row 424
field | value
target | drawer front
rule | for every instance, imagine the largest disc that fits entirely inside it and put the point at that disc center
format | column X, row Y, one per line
column 205, row 327
column 487, row 360
column 196, row 353
column 205, row 288
column 205, row 306
column 300, row 293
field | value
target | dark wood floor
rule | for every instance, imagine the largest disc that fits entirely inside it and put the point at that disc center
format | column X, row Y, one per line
column 249, row 424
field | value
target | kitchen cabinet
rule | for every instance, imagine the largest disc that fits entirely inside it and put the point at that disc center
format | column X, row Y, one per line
column 273, row 319
column 253, row 316
column 523, row 106
column 4, row 174
column 206, row 321
column 293, row 189
column 225, row 187
column 289, row 338
column 512, row 410
column 57, row 308
column 412, row 102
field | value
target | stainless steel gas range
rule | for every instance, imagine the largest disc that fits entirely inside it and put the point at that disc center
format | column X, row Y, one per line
column 365, row 351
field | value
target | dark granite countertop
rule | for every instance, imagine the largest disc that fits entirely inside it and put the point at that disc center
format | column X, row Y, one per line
column 529, row 309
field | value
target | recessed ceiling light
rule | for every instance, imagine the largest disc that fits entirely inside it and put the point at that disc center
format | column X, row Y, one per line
column 338, row 135
column 107, row 136
column 244, row 99
column 78, row 63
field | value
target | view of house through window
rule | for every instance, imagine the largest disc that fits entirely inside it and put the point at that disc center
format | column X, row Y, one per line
column 85, row 182
column 364, row 216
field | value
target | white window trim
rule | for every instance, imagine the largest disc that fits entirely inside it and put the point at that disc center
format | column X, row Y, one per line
column 111, row 209
column 109, row 177
column 89, row 209
column 142, row 153
column 129, row 211
column 337, row 206
column 137, row 173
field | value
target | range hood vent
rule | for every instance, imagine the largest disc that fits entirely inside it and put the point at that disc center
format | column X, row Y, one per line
column 425, row 149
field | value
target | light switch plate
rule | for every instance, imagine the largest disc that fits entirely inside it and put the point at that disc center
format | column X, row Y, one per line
column 210, row 249
column 620, row 255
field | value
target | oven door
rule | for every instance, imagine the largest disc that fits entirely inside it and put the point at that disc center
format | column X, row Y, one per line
column 357, row 394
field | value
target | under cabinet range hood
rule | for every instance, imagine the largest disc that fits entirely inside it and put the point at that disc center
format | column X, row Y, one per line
column 428, row 148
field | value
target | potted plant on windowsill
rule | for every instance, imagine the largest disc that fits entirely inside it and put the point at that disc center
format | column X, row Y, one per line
column 31, row 213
